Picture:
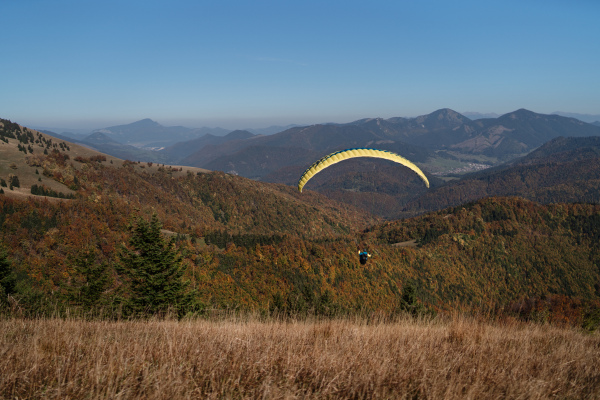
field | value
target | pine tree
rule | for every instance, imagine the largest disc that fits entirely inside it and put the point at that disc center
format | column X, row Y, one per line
column 92, row 280
column 154, row 270
column 7, row 276
column 409, row 301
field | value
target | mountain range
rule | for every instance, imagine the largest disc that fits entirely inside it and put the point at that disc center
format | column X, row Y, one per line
column 561, row 170
column 439, row 134
column 441, row 129
column 589, row 118
column 440, row 143
column 444, row 143
column 248, row 244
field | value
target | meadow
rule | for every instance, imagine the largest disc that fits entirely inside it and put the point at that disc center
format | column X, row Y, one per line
column 250, row 357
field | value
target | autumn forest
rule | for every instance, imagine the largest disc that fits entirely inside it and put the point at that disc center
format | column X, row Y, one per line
column 239, row 244
column 132, row 279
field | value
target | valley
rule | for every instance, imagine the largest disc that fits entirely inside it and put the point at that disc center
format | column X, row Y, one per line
column 445, row 144
column 256, row 245
column 503, row 260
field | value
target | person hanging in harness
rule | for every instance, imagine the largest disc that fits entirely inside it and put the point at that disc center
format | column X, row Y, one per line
column 363, row 256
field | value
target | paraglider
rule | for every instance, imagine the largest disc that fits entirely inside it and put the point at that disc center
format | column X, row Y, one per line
column 363, row 256
column 338, row 156
column 342, row 155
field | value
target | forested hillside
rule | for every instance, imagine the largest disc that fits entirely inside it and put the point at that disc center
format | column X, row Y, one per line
column 491, row 255
column 247, row 245
column 563, row 170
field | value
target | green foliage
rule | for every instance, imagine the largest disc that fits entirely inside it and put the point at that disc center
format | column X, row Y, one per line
column 410, row 303
column 13, row 181
column 431, row 235
column 37, row 222
column 153, row 270
column 9, row 130
column 7, row 276
column 303, row 302
column 88, row 287
column 591, row 319
column 42, row 190
column 222, row 238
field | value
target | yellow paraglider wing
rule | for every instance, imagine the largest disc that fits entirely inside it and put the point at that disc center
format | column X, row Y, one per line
column 342, row 155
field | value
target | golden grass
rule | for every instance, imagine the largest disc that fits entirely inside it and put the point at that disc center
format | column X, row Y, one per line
column 235, row 358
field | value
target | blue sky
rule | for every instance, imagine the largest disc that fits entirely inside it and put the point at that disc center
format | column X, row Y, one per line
column 245, row 64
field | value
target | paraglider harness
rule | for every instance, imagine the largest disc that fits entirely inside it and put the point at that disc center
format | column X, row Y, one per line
column 363, row 256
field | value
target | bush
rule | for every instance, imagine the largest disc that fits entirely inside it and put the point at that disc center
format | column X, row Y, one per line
column 13, row 181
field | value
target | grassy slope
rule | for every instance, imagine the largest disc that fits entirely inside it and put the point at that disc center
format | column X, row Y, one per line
column 455, row 359
column 13, row 161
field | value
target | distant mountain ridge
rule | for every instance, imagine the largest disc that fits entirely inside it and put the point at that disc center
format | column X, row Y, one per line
column 150, row 134
column 147, row 132
column 437, row 140
column 279, row 245
column 477, row 115
column 589, row 118
column 504, row 138
column 562, row 170
column 179, row 151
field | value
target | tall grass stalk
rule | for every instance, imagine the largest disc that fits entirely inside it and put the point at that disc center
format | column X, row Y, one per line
column 252, row 358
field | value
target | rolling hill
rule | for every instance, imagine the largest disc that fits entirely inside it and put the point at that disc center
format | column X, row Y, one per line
column 562, row 170
column 520, row 132
column 440, row 143
column 72, row 168
column 149, row 133
column 502, row 138
column 262, row 246
column 179, row 151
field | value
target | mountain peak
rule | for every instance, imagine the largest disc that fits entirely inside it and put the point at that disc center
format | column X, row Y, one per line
column 442, row 116
column 238, row 134
column 520, row 113
column 99, row 137
column 146, row 122
column 446, row 113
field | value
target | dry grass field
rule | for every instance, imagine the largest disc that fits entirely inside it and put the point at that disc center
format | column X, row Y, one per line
column 249, row 358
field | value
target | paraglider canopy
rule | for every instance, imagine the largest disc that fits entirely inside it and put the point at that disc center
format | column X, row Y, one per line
column 338, row 156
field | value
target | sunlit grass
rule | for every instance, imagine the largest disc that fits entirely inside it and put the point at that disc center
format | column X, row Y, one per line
column 248, row 358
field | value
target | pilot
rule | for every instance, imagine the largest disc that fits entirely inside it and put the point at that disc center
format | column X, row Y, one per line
column 363, row 256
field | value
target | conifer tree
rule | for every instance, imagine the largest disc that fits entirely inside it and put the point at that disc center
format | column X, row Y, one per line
column 7, row 276
column 154, row 270
column 92, row 281
column 409, row 301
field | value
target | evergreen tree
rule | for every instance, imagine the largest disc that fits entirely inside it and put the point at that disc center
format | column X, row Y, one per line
column 154, row 270
column 92, row 281
column 14, row 181
column 7, row 276
column 409, row 301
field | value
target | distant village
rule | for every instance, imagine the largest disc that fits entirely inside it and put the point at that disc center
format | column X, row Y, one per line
column 470, row 167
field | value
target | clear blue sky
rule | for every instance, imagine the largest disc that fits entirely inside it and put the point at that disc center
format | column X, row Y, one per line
column 254, row 63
